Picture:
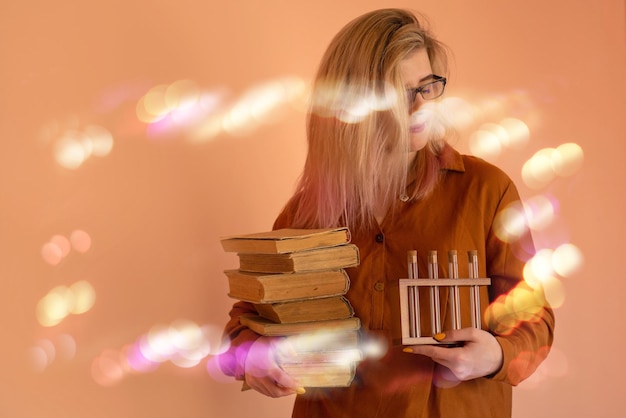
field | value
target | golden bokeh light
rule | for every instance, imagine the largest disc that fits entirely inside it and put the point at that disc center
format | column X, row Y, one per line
column 55, row 306
column 485, row 144
column 548, row 163
column 491, row 139
column 70, row 151
column 540, row 212
column 567, row 259
column 523, row 303
column 554, row 290
column 84, row 297
column 518, row 133
column 567, row 159
column 75, row 146
column 62, row 301
column 262, row 104
column 511, row 223
column 457, row 111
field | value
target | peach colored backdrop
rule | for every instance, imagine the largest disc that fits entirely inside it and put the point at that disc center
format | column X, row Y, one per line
column 110, row 220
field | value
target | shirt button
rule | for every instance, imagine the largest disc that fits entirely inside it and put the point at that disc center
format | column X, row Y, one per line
column 380, row 238
column 379, row 286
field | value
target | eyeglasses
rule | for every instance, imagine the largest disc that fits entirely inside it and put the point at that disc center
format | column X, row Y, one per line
column 428, row 91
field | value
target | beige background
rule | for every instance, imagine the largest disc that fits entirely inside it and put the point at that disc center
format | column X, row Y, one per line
column 155, row 205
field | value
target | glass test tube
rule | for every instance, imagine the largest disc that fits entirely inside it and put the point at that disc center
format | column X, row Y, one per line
column 474, row 290
column 433, row 273
column 414, row 307
column 455, row 300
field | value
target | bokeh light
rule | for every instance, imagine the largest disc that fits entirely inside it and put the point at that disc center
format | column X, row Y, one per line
column 567, row 159
column 457, row 111
column 62, row 301
column 80, row 240
column 540, row 212
column 74, row 146
column 548, row 163
column 511, row 223
column 522, row 304
column 182, row 343
column 262, row 105
column 490, row 139
column 567, row 259
column 46, row 351
column 555, row 365
column 59, row 247
column 202, row 115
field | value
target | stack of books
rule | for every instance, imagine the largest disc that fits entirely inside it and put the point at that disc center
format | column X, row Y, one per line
column 296, row 280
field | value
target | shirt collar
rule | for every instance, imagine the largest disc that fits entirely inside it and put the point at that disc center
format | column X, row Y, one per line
column 451, row 159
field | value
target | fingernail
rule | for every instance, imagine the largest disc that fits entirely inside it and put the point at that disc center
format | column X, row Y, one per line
column 407, row 350
column 440, row 336
column 300, row 391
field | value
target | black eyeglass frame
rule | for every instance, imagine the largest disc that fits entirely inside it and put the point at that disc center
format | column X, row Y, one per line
column 412, row 93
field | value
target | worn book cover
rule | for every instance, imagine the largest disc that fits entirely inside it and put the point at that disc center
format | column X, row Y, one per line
column 286, row 240
column 322, row 374
column 306, row 310
column 341, row 256
column 264, row 326
column 277, row 287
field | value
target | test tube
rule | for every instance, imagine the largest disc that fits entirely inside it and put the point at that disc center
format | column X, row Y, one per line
column 474, row 290
column 433, row 273
column 455, row 302
column 414, row 309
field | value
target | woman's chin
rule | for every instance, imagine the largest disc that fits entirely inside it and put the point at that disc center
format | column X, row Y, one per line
column 418, row 141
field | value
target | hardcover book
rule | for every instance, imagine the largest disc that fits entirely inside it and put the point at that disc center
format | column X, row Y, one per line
column 264, row 326
column 286, row 240
column 306, row 310
column 276, row 287
column 341, row 256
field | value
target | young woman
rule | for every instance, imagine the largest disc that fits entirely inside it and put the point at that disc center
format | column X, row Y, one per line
column 377, row 164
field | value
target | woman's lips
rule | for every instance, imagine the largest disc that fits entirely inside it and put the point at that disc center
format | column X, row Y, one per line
column 417, row 128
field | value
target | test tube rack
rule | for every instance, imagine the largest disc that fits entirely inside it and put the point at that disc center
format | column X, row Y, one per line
column 409, row 296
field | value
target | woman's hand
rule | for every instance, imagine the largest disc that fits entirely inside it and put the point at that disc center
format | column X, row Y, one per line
column 263, row 374
column 480, row 355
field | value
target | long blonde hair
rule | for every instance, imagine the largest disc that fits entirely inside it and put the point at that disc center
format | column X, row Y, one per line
column 358, row 124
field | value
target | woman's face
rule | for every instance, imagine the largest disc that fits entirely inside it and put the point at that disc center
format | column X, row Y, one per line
column 415, row 72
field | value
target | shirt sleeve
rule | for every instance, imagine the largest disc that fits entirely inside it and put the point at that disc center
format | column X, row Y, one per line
column 518, row 315
column 239, row 338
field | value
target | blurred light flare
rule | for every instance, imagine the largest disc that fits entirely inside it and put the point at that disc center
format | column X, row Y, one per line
column 182, row 105
column 59, row 247
column 73, row 146
column 46, row 351
column 548, row 163
column 181, row 343
column 490, row 139
column 62, row 301
column 567, row 259
column 540, row 212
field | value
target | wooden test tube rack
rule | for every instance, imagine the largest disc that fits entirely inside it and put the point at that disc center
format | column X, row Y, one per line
column 409, row 294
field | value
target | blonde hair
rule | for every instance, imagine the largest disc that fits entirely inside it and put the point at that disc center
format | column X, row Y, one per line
column 358, row 124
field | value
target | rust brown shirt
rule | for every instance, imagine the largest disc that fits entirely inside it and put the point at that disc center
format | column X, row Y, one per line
column 459, row 215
